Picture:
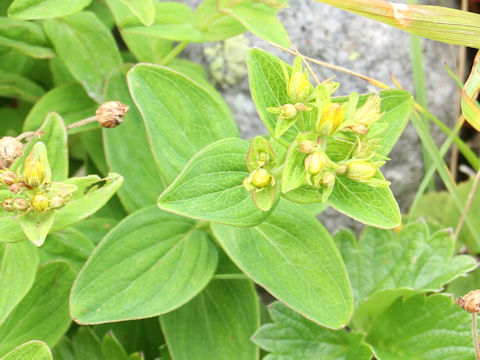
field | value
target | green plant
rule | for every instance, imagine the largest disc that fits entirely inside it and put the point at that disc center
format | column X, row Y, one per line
column 161, row 261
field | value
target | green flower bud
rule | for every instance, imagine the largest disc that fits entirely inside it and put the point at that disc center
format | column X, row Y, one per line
column 262, row 158
column 57, row 202
column 360, row 170
column 33, row 172
column 8, row 177
column 20, row 204
column 306, row 146
column 40, row 203
column 287, row 111
column 299, row 88
column 328, row 179
column 7, row 205
column 315, row 162
column 331, row 118
column 260, row 178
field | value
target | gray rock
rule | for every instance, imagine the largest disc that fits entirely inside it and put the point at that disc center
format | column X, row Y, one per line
column 367, row 47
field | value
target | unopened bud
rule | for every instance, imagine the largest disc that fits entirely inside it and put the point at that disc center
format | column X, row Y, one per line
column 470, row 302
column 360, row 170
column 33, row 172
column 10, row 148
column 287, row 111
column 57, row 202
column 20, row 204
column 306, row 146
column 299, row 88
column 111, row 114
column 260, row 178
column 7, row 205
column 331, row 118
column 315, row 162
column 328, row 179
column 8, row 177
column 15, row 188
column 40, row 203
column 369, row 112
column 301, row 107
column 262, row 158
column 358, row 129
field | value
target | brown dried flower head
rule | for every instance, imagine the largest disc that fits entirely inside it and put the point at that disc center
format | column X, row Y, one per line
column 111, row 114
column 470, row 302
column 10, row 148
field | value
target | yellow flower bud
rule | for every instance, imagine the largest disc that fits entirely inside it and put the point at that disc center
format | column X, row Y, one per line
column 315, row 162
column 40, row 203
column 332, row 117
column 299, row 88
column 33, row 172
column 111, row 114
column 360, row 170
column 260, row 178
column 20, row 204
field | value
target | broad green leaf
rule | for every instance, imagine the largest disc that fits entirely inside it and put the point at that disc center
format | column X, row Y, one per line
column 148, row 49
column 87, row 48
column 112, row 349
column 143, row 9
column 370, row 205
column 434, row 22
column 173, row 21
column 291, row 336
column 214, row 25
column 258, row 18
column 194, row 71
column 210, row 187
column 100, row 8
column 440, row 211
column 17, row 272
column 293, row 174
column 43, row 312
column 180, row 115
column 26, row 37
column 36, row 226
column 55, row 139
column 32, row 350
column 465, row 284
column 417, row 328
column 44, row 9
column 134, row 162
column 95, row 228
column 68, row 245
column 16, row 86
column 63, row 350
column 60, row 74
column 153, row 253
column 294, row 258
column 470, row 107
column 86, row 345
column 70, row 101
column 215, row 325
column 384, row 265
column 79, row 208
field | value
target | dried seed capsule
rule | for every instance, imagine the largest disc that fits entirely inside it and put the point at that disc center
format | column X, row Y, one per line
column 470, row 302
column 20, row 204
column 360, row 170
column 33, row 172
column 10, row 148
column 111, row 114
column 40, row 203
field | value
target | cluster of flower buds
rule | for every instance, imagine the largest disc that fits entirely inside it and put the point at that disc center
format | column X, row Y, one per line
column 32, row 189
column 261, row 160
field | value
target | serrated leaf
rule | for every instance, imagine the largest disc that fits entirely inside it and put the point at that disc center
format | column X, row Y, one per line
column 43, row 312
column 416, row 328
column 153, row 253
column 17, row 273
column 70, row 101
column 384, row 265
column 135, row 166
column 215, row 325
column 87, row 48
column 370, row 205
column 180, row 115
column 32, row 350
column 44, row 9
column 210, row 187
column 25, row 37
column 293, row 257
column 16, row 86
column 292, row 337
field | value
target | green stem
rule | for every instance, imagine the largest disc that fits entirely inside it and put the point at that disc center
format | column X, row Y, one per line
column 175, row 51
column 426, row 138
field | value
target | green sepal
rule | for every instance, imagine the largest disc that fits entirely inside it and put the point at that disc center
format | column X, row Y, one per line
column 260, row 145
column 265, row 198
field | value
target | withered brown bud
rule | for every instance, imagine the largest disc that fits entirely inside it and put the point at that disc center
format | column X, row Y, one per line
column 111, row 114
column 15, row 188
column 20, row 204
column 8, row 177
column 470, row 302
column 10, row 148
